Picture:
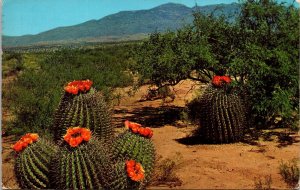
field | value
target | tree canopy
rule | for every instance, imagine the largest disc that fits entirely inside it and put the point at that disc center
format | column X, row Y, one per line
column 259, row 51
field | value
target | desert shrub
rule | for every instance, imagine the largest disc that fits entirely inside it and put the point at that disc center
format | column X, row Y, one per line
column 12, row 63
column 36, row 93
column 165, row 172
column 290, row 172
column 260, row 184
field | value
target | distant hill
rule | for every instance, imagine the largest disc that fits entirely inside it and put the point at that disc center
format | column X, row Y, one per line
column 125, row 25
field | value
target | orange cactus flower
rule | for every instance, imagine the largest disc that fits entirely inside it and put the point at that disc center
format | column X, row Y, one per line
column 138, row 129
column 24, row 141
column 129, row 124
column 226, row 79
column 76, row 135
column 135, row 170
column 76, row 130
column 130, row 163
column 86, row 134
column 34, row 136
column 67, row 137
column 73, row 142
column 78, row 86
column 135, row 130
column 28, row 140
column 216, row 81
column 78, row 139
column 150, row 134
column 81, row 87
column 87, row 84
column 141, row 131
column 18, row 146
column 219, row 81
column 147, row 132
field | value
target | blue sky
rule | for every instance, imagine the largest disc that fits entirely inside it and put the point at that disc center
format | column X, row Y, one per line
column 20, row 17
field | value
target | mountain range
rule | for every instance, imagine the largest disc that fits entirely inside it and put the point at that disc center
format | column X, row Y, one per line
column 124, row 25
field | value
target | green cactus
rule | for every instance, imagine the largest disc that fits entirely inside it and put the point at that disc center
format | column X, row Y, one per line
column 84, row 109
column 129, row 146
column 120, row 180
column 33, row 163
column 222, row 116
column 87, row 166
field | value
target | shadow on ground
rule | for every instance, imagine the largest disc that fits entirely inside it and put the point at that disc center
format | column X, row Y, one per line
column 190, row 140
column 149, row 116
column 283, row 138
column 252, row 137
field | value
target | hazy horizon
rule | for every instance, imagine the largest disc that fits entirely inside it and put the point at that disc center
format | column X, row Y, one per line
column 31, row 17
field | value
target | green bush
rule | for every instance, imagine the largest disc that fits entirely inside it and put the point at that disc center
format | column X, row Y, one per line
column 12, row 63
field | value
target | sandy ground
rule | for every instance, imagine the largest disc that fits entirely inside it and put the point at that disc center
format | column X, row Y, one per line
column 198, row 166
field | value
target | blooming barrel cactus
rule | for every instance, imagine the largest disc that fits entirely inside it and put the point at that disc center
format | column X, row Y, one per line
column 135, row 144
column 81, row 106
column 33, row 161
column 81, row 163
column 222, row 113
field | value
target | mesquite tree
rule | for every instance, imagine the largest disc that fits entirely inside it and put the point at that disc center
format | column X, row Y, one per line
column 259, row 50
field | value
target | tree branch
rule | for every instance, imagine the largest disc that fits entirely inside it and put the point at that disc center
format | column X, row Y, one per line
column 197, row 79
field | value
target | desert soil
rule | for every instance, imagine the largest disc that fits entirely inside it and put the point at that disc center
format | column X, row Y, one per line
column 198, row 166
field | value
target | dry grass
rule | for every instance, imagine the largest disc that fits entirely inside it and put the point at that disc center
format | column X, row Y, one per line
column 290, row 172
column 260, row 184
column 165, row 172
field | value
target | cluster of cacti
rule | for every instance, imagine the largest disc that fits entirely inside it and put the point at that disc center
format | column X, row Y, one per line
column 81, row 159
column 221, row 113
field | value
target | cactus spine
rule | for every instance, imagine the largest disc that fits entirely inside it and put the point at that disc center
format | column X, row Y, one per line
column 133, row 146
column 84, row 109
column 32, row 165
column 222, row 116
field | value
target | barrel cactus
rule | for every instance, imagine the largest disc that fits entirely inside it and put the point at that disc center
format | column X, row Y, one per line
column 128, row 174
column 81, row 163
column 221, row 113
column 82, row 106
column 135, row 144
column 33, row 161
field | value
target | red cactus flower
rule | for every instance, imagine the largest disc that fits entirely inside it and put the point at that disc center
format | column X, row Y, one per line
column 219, row 81
column 135, row 170
column 78, row 86
column 138, row 129
column 24, row 141
column 76, row 135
